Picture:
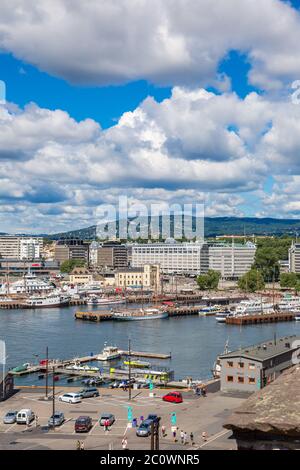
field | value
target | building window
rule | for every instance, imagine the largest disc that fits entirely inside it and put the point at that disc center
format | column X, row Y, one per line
column 241, row 365
column 229, row 363
column 252, row 380
column 241, row 380
column 229, row 378
column 251, row 366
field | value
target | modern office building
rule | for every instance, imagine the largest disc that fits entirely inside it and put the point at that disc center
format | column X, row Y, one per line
column 252, row 368
column 112, row 255
column 172, row 257
column 231, row 260
column 294, row 258
column 147, row 276
column 69, row 249
column 16, row 247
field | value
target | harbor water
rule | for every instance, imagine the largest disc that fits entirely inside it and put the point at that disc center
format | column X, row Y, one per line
column 193, row 341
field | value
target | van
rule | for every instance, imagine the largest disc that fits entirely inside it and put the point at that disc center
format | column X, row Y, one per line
column 25, row 416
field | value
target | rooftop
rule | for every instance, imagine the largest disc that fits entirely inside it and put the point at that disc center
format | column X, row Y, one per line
column 266, row 350
column 275, row 409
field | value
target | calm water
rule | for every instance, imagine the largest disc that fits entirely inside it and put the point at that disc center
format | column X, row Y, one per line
column 193, row 341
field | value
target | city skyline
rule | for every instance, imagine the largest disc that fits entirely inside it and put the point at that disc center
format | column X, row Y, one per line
column 203, row 110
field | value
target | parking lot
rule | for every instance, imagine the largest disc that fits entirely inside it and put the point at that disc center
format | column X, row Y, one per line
column 193, row 415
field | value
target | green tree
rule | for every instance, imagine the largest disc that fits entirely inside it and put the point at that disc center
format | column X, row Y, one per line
column 252, row 281
column 68, row 265
column 209, row 280
column 266, row 261
column 289, row 280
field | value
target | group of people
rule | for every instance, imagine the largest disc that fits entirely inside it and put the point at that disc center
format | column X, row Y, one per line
column 200, row 391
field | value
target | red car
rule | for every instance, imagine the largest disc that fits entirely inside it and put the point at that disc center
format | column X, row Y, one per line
column 83, row 424
column 173, row 397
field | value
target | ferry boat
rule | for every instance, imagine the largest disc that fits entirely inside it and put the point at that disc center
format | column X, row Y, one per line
column 253, row 306
column 221, row 317
column 289, row 303
column 141, row 314
column 29, row 284
column 109, row 353
column 47, row 301
column 94, row 300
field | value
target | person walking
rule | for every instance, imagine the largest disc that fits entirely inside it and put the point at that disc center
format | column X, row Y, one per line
column 124, row 443
column 174, row 435
column 36, row 421
column 163, row 430
column 192, row 438
column 182, row 437
column 106, row 425
column 78, row 446
column 204, row 436
column 82, row 445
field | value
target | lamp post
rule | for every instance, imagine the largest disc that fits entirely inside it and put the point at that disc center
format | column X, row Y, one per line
column 47, row 357
column 53, row 398
column 129, row 370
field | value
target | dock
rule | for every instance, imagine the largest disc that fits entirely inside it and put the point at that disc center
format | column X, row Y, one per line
column 259, row 319
column 95, row 316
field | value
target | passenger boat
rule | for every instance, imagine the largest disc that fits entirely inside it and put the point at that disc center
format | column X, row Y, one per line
column 94, row 300
column 109, row 353
column 29, row 284
column 47, row 301
column 210, row 310
column 141, row 314
column 253, row 306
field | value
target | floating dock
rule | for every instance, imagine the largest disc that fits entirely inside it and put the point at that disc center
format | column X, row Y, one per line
column 261, row 318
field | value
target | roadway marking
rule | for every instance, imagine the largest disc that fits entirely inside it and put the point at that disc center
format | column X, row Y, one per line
column 214, row 437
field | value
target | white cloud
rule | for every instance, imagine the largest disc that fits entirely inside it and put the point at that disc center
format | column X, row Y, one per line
column 164, row 41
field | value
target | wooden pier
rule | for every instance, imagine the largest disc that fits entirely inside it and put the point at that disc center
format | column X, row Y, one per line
column 261, row 318
column 95, row 316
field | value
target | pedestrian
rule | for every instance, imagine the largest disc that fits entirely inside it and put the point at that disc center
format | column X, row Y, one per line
column 204, row 436
column 204, row 392
column 192, row 438
column 36, row 421
column 106, row 425
column 82, row 445
column 182, row 436
column 124, row 443
column 174, row 435
column 78, row 446
column 163, row 430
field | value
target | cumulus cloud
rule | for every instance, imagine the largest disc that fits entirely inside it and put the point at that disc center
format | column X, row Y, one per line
column 171, row 42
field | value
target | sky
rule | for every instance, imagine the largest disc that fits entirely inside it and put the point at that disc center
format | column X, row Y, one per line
column 166, row 102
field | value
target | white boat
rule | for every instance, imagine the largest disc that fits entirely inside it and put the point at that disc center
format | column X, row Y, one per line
column 297, row 317
column 83, row 368
column 210, row 310
column 109, row 353
column 141, row 314
column 47, row 301
column 289, row 304
column 93, row 300
column 253, row 306
column 221, row 317
column 29, row 284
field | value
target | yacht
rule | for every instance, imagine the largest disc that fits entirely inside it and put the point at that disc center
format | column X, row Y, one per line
column 210, row 310
column 29, row 284
column 140, row 314
column 109, row 353
column 94, row 300
column 253, row 306
column 47, row 301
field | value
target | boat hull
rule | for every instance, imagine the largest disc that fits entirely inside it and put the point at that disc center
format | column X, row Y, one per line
column 156, row 316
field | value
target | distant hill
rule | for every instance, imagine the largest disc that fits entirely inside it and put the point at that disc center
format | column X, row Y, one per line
column 214, row 226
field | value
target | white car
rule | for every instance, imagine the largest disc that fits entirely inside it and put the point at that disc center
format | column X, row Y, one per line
column 70, row 398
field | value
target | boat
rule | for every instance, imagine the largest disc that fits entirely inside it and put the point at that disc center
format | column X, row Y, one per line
column 289, row 303
column 94, row 300
column 141, row 314
column 253, row 306
column 297, row 316
column 221, row 317
column 83, row 368
column 137, row 363
column 210, row 310
column 29, row 284
column 109, row 353
column 21, row 368
column 47, row 301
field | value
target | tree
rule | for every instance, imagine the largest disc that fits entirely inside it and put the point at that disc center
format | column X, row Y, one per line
column 209, row 280
column 68, row 265
column 266, row 260
column 289, row 280
column 252, row 281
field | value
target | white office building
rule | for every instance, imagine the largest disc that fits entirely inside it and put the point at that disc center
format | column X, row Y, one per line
column 172, row 257
column 231, row 260
column 294, row 258
column 14, row 247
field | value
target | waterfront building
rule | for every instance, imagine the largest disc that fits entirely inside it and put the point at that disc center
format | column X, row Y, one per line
column 231, row 260
column 252, row 368
column 6, row 386
column 20, row 247
column 294, row 258
column 269, row 419
column 17, row 267
column 172, row 257
column 147, row 276
column 71, row 249
column 112, row 255
column 80, row 276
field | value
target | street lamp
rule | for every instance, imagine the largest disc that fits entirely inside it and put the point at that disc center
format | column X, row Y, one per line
column 53, row 397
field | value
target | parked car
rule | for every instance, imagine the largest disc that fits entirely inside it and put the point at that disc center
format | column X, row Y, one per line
column 144, row 430
column 83, row 424
column 107, row 417
column 153, row 418
column 10, row 417
column 173, row 397
column 115, row 384
column 58, row 419
column 126, row 383
column 70, row 398
column 25, row 416
column 89, row 392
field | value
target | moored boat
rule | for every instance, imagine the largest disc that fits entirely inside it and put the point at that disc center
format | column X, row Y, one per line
column 140, row 314
column 109, row 353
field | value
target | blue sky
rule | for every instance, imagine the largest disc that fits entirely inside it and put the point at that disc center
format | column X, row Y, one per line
column 196, row 111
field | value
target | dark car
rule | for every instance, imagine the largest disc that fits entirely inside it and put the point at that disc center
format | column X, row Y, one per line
column 173, row 397
column 89, row 392
column 83, row 424
column 153, row 418
column 144, row 430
